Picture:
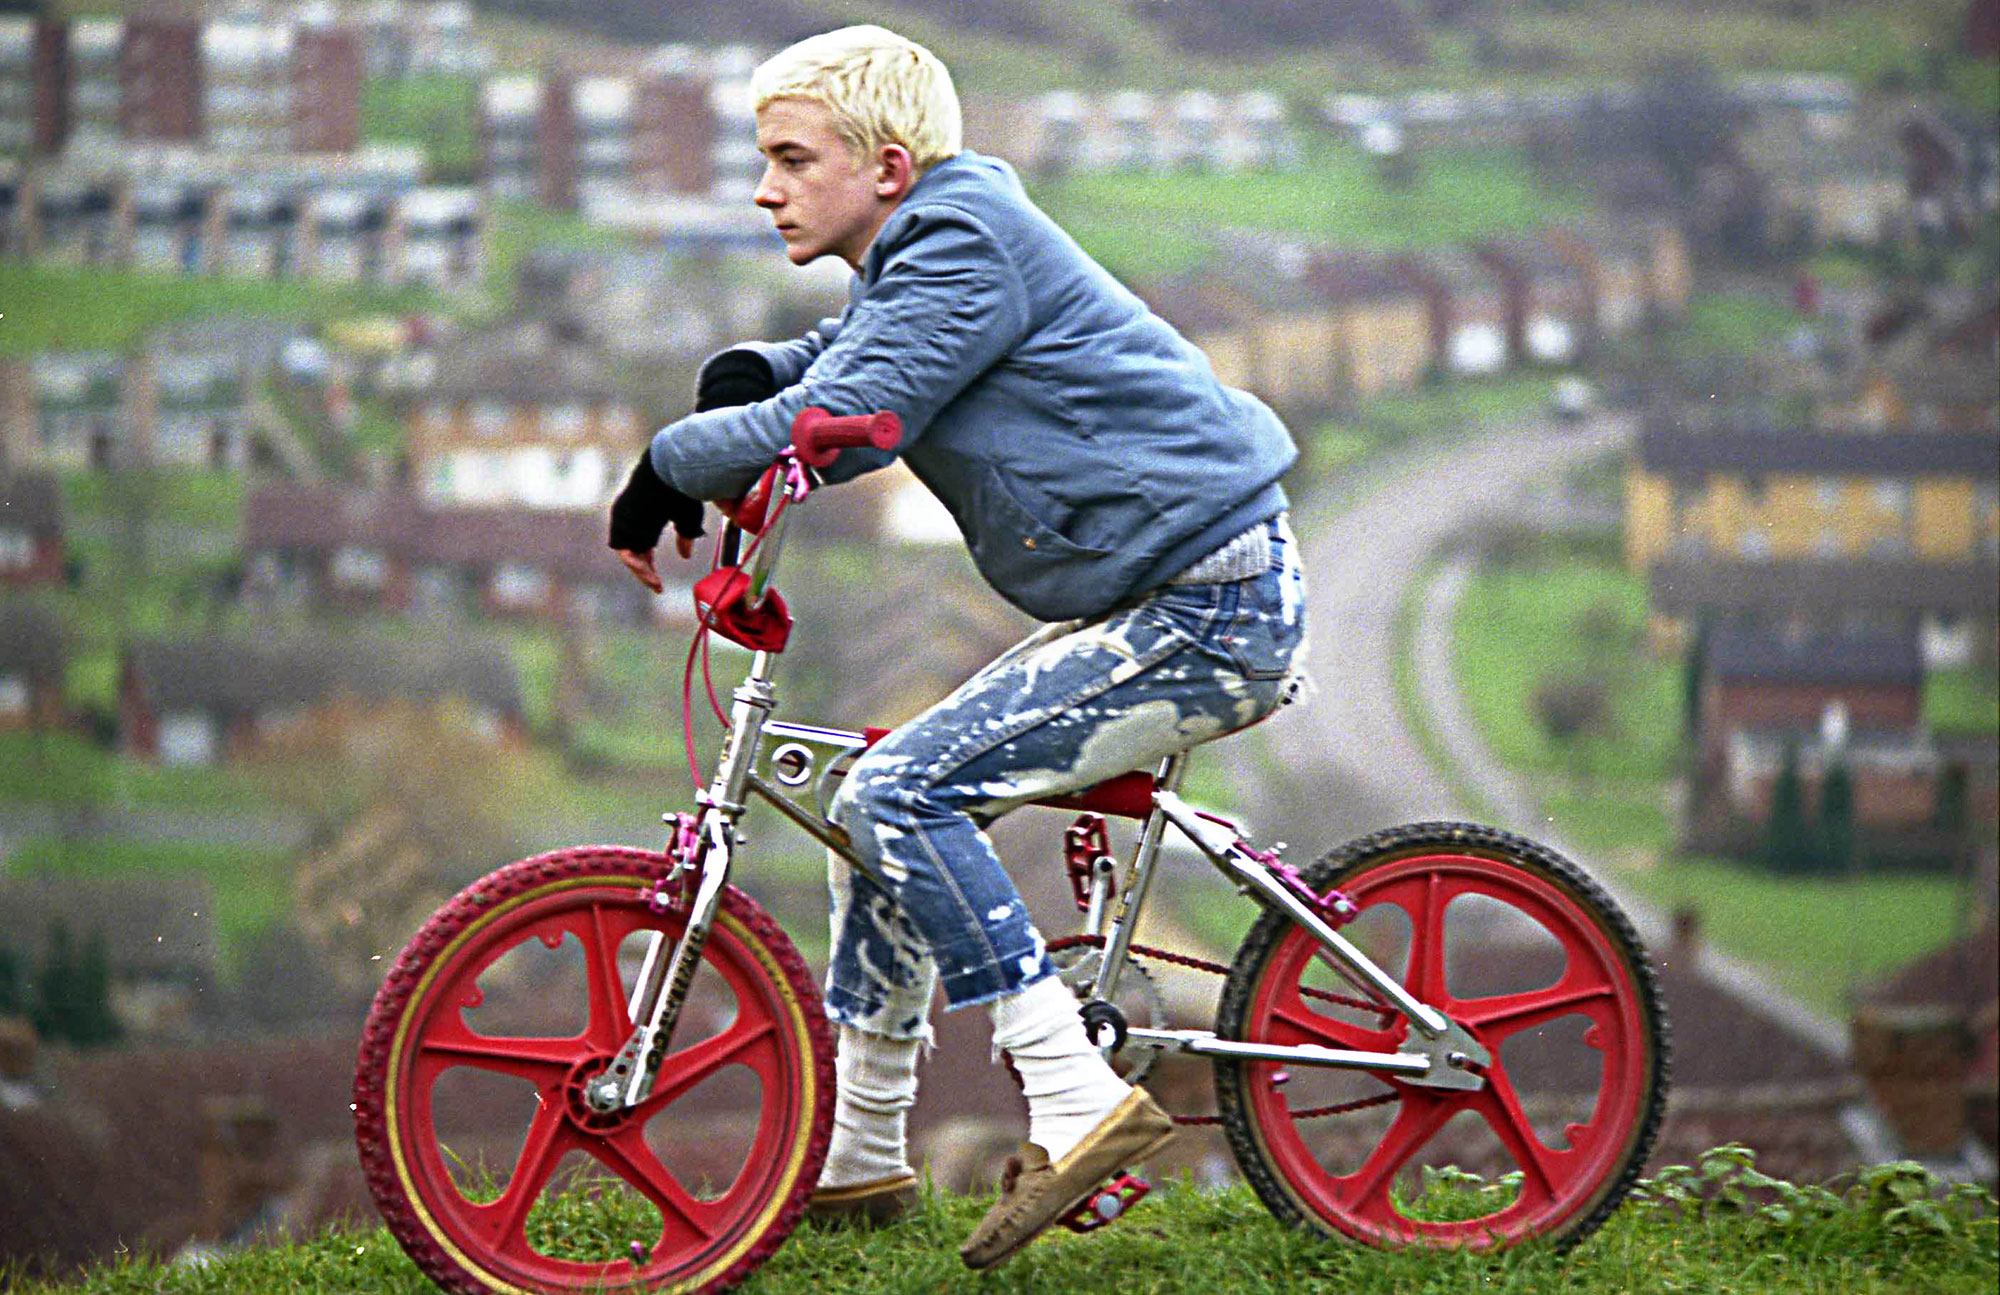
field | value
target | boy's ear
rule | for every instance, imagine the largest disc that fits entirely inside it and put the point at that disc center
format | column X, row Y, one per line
column 895, row 171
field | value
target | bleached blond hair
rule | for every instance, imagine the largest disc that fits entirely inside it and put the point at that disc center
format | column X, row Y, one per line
column 881, row 88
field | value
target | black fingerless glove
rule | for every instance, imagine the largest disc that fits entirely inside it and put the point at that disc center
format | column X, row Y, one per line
column 644, row 508
column 736, row 377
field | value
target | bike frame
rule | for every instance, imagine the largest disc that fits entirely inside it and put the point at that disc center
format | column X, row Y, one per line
column 805, row 761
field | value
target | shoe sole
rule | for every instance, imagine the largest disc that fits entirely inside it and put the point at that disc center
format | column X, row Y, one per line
column 868, row 1204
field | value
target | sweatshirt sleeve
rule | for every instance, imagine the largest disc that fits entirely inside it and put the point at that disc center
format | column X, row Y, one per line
column 946, row 305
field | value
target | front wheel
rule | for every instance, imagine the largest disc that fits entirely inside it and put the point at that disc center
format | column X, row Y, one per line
column 486, row 1162
column 1537, row 962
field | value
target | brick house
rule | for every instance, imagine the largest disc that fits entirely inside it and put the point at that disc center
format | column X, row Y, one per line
column 523, row 419
column 1852, row 699
column 1550, row 311
column 34, row 650
column 570, row 139
column 329, row 548
column 1382, row 333
column 200, row 701
column 31, row 530
column 1468, row 309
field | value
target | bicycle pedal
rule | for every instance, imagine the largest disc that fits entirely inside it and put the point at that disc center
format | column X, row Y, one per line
column 1107, row 1204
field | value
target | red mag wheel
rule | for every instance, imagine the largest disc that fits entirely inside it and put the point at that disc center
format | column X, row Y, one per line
column 484, row 1159
column 1530, row 955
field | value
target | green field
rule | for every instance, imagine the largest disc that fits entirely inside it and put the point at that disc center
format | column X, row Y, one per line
column 1148, row 223
column 1895, row 1231
column 1554, row 616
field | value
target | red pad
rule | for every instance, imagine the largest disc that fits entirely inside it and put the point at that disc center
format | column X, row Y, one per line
column 718, row 600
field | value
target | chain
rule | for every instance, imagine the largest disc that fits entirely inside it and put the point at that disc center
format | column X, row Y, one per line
column 1219, row 969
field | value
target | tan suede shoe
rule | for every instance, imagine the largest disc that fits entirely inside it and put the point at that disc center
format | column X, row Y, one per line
column 1035, row 1193
column 869, row 1204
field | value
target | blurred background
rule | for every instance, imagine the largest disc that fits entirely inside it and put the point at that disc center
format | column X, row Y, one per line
column 1642, row 355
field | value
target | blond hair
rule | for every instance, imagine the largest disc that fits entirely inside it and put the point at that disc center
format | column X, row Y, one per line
column 880, row 87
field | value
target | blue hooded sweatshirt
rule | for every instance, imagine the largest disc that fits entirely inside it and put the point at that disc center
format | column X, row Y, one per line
column 1085, row 449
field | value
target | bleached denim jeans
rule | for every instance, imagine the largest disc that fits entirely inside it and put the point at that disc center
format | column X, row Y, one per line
column 1064, row 709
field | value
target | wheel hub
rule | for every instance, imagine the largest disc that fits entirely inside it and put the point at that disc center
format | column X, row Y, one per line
column 576, row 1098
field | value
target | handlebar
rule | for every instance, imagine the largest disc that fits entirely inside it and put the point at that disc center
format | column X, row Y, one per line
column 819, row 437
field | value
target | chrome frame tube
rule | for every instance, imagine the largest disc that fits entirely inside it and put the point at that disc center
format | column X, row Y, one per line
column 1145, row 861
column 1225, row 850
column 1204, row 1043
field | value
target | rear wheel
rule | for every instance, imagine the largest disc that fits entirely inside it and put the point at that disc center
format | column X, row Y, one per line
column 486, row 1162
column 1536, row 961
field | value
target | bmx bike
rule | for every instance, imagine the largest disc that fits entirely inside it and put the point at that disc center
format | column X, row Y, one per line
column 1411, row 990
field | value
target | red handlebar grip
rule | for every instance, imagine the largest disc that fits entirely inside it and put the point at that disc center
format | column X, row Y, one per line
column 819, row 437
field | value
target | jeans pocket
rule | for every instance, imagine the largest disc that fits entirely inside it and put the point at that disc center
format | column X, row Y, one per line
column 1259, row 639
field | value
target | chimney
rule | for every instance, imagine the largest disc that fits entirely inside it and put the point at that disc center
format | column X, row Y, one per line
column 1684, row 946
column 242, row 1166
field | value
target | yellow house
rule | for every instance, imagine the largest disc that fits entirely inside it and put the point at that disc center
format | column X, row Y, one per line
column 1806, row 523
column 1777, row 495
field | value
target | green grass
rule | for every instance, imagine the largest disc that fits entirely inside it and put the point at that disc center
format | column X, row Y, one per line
column 1962, row 701
column 249, row 884
column 1519, row 623
column 1720, row 1226
column 211, row 501
column 438, row 112
column 1143, row 223
column 55, row 308
column 1820, row 938
column 1557, row 616
column 65, row 769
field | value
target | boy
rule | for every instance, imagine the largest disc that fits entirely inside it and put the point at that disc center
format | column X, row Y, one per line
column 1105, row 482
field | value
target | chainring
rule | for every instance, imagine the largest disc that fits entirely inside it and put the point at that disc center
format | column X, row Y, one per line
column 1138, row 998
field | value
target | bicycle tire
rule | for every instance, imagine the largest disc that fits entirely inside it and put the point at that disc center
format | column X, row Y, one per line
column 417, row 1033
column 1363, row 1177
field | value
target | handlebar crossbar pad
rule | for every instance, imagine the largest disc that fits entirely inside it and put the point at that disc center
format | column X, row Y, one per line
column 819, row 437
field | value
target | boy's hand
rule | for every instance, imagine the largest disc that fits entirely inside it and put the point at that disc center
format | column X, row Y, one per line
column 639, row 515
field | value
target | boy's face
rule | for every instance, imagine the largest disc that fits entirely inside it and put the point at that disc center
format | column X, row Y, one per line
column 823, row 199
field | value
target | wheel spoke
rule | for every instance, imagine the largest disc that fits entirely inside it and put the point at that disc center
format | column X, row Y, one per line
column 542, row 1062
column 1294, row 1024
column 606, row 984
column 682, row 1070
column 1425, row 977
column 1540, row 1167
column 686, row 1221
column 1502, row 1015
column 504, row 1219
column 1365, row 1192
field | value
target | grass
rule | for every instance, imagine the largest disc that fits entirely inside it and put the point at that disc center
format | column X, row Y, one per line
column 1717, row 1227
column 249, row 884
column 1962, row 701
column 63, row 308
column 1141, row 224
column 437, row 111
column 64, row 769
column 1563, row 614
column 1819, row 938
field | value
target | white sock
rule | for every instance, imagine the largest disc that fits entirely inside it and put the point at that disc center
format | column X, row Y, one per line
column 876, row 1084
column 1069, row 1086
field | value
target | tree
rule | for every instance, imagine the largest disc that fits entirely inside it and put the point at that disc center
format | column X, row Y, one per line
column 94, row 1023
column 1788, row 843
column 56, row 989
column 10, row 984
column 1837, row 844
